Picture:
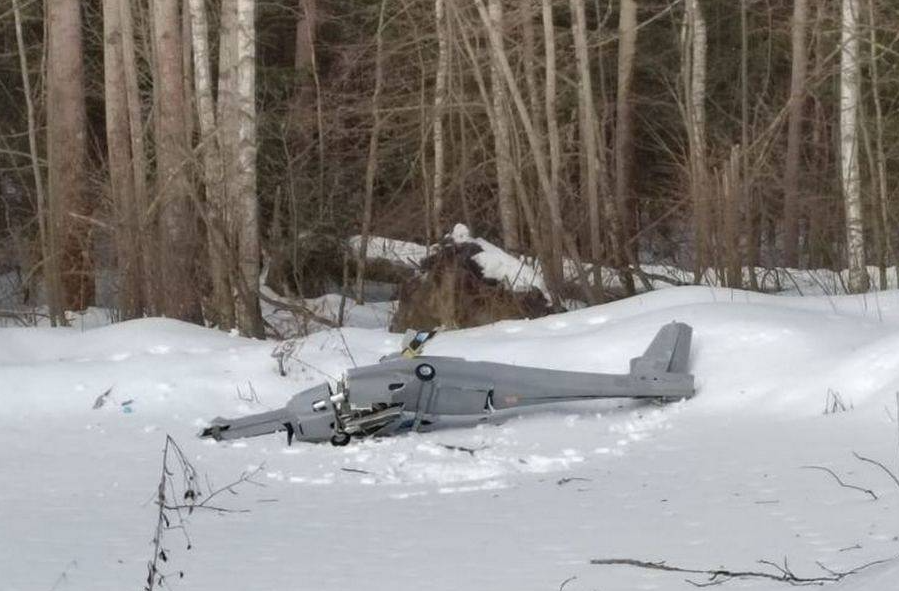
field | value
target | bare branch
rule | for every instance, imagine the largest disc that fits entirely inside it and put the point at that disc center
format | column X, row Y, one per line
column 879, row 465
column 840, row 481
column 720, row 576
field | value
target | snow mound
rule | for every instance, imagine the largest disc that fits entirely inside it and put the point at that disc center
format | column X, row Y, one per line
column 497, row 264
column 701, row 483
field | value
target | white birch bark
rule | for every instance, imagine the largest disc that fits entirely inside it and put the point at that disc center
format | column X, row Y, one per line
column 850, row 90
column 439, row 101
column 246, row 204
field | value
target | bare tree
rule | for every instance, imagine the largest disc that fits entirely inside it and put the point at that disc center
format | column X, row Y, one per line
column 439, row 102
column 554, row 265
column 508, row 209
column 249, row 315
column 69, row 204
column 794, row 132
column 587, row 126
column 48, row 250
column 624, row 132
column 850, row 90
column 306, row 28
column 121, row 173
column 143, row 244
column 695, row 41
column 177, row 246
column 880, row 154
column 213, row 172
column 371, row 168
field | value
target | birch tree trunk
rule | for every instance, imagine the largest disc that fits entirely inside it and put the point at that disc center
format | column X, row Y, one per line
column 746, row 194
column 177, row 246
column 624, row 134
column 439, row 101
column 694, row 74
column 850, row 90
column 121, row 173
column 508, row 208
column 67, row 155
column 213, row 171
column 226, row 106
column 794, row 133
column 249, row 314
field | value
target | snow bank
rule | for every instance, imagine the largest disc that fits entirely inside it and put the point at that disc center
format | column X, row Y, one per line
column 715, row 481
column 524, row 272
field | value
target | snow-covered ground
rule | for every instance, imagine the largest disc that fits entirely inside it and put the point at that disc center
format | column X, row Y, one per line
column 717, row 481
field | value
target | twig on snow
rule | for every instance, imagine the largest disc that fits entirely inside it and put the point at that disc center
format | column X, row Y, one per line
column 879, row 465
column 567, row 479
column 840, row 481
column 469, row 450
column 719, row 576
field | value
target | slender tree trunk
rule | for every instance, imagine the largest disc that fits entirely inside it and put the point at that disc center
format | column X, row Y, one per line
column 305, row 46
column 529, row 48
column 550, row 196
column 249, row 314
column 508, row 209
column 143, row 244
column 48, row 249
column 371, row 168
column 850, row 91
column 177, row 245
column 882, row 192
column 535, row 101
column 554, row 265
column 694, row 55
column 187, row 68
column 746, row 195
column 121, row 174
column 624, row 134
column 794, row 133
column 732, row 189
column 439, row 101
column 67, row 155
column 587, row 125
column 306, row 64
column 213, row 171
column 820, row 249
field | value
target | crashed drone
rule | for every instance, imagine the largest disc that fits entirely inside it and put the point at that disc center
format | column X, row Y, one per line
column 409, row 391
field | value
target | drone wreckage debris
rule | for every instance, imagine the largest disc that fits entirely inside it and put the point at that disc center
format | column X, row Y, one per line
column 408, row 391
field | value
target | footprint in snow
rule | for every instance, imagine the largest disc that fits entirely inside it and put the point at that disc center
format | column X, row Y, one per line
column 159, row 350
column 119, row 356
